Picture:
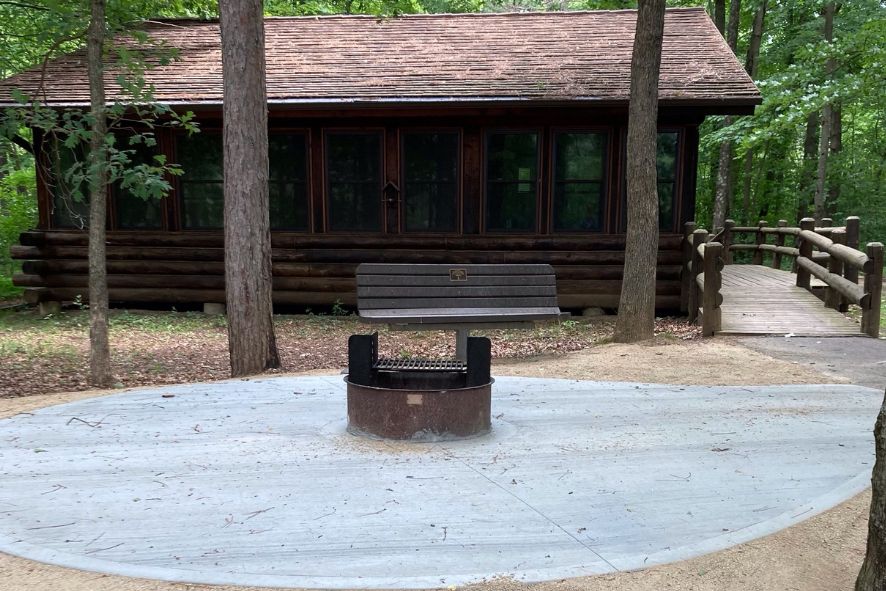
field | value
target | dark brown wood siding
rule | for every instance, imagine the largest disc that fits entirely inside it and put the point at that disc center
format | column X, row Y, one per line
column 178, row 267
column 317, row 267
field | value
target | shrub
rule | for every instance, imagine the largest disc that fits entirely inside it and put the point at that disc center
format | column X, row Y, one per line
column 18, row 212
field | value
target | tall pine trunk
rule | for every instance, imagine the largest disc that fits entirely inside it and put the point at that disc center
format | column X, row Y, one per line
column 750, row 66
column 636, row 307
column 872, row 576
column 720, row 16
column 724, row 187
column 248, row 288
column 99, row 349
column 827, row 124
column 808, row 171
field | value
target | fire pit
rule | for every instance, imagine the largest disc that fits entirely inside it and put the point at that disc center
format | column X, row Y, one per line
column 418, row 399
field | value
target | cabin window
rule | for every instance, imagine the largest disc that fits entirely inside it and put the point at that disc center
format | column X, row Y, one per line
column 70, row 198
column 666, row 166
column 430, row 181
column 288, row 181
column 579, row 163
column 133, row 212
column 353, row 181
column 511, row 181
column 201, row 184
column 666, row 158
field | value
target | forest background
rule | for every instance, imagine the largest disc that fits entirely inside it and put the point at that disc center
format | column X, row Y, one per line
column 816, row 146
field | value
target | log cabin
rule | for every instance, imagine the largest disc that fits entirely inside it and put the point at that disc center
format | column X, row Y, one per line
column 469, row 138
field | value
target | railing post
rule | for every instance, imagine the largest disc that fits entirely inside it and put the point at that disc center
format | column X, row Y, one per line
column 805, row 248
column 827, row 222
column 832, row 297
column 710, row 323
column 727, row 241
column 852, row 228
column 699, row 237
column 686, row 269
column 779, row 241
column 761, row 239
column 873, row 284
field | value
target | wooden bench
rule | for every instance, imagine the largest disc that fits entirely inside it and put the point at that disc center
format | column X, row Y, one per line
column 456, row 297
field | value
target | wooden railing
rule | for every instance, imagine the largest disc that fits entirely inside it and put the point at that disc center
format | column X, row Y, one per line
column 702, row 279
column 830, row 254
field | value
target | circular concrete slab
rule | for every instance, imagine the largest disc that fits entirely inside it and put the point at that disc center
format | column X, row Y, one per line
column 256, row 481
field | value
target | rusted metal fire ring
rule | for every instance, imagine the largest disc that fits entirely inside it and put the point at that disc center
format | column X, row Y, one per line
column 419, row 414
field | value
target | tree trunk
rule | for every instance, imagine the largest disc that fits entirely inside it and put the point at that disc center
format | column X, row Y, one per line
column 747, row 175
column 836, row 141
column 750, row 65
column 720, row 16
column 752, row 60
column 251, row 340
column 732, row 26
column 822, row 169
column 724, row 188
column 836, row 146
column 872, row 576
column 824, row 138
column 99, row 350
column 636, row 309
column 810, row 151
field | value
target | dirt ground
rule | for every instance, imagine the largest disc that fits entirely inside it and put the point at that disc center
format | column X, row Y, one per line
column 823, row 553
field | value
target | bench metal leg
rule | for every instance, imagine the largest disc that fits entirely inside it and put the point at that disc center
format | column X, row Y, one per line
column 461, row 344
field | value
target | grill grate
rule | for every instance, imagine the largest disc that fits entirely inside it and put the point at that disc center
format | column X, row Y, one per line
column 420, row 365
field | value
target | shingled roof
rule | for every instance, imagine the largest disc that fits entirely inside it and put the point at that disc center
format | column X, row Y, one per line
column 551, row 57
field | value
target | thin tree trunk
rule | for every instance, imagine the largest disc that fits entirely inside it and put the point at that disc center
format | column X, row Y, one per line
column 732, row 26
column 824, row 138
column 248, row 290
column 872, row 576
column 836, row 147
column 636, row 309
column 747, row 174
column 720, row 16
column 724, row 187
column 753, row 57
column 836, row 140
column 723, row 190
column 810, row 152
column 99, row 350
column 750, row 65
column 822, row 168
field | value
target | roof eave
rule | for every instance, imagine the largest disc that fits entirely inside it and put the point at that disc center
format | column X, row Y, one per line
column 732, row 104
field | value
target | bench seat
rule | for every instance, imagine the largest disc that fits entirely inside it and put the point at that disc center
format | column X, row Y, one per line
column 459, row 297
column 451, row 316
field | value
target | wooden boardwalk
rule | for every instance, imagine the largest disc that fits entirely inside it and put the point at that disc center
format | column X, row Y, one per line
column 762, row 300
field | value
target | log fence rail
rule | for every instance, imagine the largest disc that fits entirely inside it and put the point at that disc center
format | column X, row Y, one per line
column 827, row 253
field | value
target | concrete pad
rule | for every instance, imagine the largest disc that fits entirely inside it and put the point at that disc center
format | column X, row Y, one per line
column 256, row 482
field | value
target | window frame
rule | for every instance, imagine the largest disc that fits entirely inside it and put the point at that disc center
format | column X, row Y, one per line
column 179, row 180
column 459, row 179
column 113, row 219
column 308, row 181
column 679, row 165
column 677, row 181
column 45, row 169
column 379, row 132
column 539, row 132
column 609, row 168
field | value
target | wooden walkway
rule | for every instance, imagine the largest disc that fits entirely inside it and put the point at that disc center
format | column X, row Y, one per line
column 762, row 300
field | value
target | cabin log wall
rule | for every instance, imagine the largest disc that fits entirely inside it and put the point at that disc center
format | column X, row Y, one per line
column 179, row 267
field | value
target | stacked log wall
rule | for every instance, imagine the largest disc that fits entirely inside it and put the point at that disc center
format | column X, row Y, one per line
column 315, row 270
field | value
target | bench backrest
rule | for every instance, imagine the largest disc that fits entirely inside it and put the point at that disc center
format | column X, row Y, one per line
column 405, row 286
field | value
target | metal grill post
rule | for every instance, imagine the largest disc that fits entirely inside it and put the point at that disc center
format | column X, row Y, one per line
column 461, row 344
